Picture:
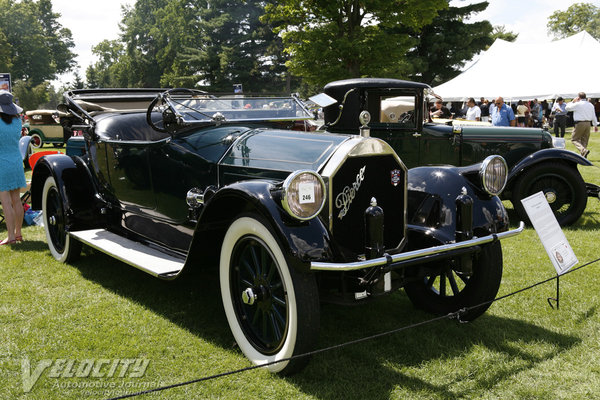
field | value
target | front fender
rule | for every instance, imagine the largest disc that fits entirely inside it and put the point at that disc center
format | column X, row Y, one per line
column 546, row 155
column 432, row 193
column 74, row 183
column 302, row 241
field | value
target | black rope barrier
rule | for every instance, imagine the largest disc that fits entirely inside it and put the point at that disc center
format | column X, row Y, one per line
column 454, row 315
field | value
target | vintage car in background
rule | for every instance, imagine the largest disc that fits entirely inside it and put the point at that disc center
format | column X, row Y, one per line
column 168, row 181
column 45, row 127
column 399, row 110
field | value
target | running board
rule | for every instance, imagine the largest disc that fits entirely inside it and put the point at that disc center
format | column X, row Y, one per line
column 133, row 253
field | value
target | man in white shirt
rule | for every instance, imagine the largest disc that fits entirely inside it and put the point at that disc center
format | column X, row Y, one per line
column 584, row 116
column 473, row 112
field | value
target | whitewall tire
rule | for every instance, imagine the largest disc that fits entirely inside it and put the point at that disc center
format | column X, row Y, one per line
column 272, row 309
column 62, row 246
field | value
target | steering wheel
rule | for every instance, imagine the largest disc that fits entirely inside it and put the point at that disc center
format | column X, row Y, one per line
column 153, row 103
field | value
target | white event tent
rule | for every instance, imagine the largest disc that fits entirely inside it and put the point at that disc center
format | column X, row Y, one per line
column 520, row 71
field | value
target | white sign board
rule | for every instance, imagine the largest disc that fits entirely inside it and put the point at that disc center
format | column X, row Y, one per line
column 307, row 193
column 551, row 235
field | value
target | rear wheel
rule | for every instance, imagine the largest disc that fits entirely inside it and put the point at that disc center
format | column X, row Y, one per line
column 272, row 309
column 36, row 141
column 62, row 246
column 562, row 185
column 446, row 286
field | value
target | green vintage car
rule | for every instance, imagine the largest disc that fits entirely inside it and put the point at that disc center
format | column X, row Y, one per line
column 45, row 127
column 399, row 115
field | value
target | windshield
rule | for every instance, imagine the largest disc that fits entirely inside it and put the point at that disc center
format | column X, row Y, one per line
column 205, row 108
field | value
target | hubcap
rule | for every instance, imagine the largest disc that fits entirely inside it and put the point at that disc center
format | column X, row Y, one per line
column 550, row 196
column 248, row 296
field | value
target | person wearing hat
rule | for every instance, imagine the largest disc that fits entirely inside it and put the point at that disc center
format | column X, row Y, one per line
column 12, row 176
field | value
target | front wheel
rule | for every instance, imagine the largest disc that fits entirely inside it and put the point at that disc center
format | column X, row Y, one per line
column 272, row 309
column 563, row 187
column 447, row 286
column 62, row 246
column 28, row 154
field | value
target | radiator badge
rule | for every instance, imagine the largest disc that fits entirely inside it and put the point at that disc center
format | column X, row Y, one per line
column 396, row 173
column 344, row 199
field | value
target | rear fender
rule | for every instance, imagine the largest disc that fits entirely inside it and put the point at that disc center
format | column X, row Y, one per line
column 302, row 241
column 38, row 131
column 75, row 183
column 552, row 155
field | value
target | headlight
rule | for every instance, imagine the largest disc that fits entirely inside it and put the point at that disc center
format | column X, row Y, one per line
column 493, row 174
column 303, row 194
column 558, row 143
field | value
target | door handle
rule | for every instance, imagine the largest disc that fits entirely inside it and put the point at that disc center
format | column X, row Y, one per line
column 416, row 134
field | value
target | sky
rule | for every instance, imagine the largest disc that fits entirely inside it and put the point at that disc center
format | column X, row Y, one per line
column 92, row 21
column 528, row 18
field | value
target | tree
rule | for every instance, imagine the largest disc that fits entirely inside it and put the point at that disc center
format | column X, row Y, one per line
column 152, row 34
column 38, row 46
column 5, row 53
column 236, row 47
column 187, row 43
column 578, row 17
column 446, row 43
column 348, row 38
column 31, row 96
column 500, row 32
column 110, row 69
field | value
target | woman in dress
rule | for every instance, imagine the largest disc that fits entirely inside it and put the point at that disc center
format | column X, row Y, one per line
column 12, row 175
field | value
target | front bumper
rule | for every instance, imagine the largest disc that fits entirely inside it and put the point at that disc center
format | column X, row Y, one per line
column 415, row 254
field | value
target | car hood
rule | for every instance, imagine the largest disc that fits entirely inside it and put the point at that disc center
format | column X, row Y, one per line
column 502, row 133
column 280, row 150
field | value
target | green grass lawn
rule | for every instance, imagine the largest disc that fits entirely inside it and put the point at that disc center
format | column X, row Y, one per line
column 99, row 308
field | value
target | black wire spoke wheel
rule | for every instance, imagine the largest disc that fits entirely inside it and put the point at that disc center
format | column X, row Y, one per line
column 447, row 282
column 272, row 307
column 562, row 186
column 559, row 192
column 62, row 246
column 56, row 219
column 449, row 286
column 259, row 295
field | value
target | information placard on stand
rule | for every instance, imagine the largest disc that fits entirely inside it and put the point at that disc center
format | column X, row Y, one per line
column 551, row 235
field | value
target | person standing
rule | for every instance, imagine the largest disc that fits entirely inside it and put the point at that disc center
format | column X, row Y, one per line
column 522, row 111
column 584, row 116
column 473, row 112
column 537, row 113
column 560, row 117
column 485, row 110
column 502, row 115
column 12, row 175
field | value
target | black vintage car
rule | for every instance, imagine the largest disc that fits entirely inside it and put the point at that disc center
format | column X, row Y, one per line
column 165, row 180
column 400, row 116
